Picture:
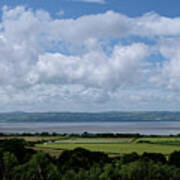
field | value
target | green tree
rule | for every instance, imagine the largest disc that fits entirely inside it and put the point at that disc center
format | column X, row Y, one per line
column 39, row 167
column 9, row 161
column 174, row 158
column 95, row 172
column 148, row 170
column 70, row 175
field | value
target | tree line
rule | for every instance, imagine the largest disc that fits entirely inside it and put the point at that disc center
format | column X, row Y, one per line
column 20, row 163
column 85, row 135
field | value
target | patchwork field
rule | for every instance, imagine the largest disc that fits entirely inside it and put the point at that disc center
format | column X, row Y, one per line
column 94, row 140
column 33, row 138
column 52, row 152
column 117, row 145
column 54, row 145
column 160, row 140
column 116, row 148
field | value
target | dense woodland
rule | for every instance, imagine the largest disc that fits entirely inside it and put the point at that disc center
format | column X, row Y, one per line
column 18, row 162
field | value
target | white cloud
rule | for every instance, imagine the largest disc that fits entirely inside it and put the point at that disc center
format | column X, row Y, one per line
column 94, row 69
column 114, row 25
column 62, row 61
column 168, row 72
column 152, row 24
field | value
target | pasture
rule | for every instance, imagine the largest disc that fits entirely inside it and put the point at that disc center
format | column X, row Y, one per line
column 160, row 140
column 94, row 140
column 54, row 145
column 33, row 138
column 116, row 145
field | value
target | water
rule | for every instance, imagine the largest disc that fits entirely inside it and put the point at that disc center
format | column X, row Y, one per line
column 142, row 127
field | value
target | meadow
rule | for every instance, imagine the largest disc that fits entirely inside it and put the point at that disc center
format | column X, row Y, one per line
column 164, row 145
column 160, row 140
column 94, row 140
column 32, row 138
column 55, row 145
column 116, row 148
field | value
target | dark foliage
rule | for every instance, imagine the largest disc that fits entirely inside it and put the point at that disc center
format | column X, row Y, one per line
column 156, row 157
column 130, row 158
column 81, row 164
column 174, row 158
column 17, row 147
column 81, row 158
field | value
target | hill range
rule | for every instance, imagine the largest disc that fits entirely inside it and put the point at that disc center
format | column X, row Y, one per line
column 88, row 117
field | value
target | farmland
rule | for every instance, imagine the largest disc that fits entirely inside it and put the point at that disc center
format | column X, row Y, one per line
column 160, row 140
column 55, row 145
column 32, row 138
column 118, row 145
column 95, row 140
column 116, row 148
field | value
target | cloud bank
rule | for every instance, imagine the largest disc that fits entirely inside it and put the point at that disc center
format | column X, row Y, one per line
column 105, row 61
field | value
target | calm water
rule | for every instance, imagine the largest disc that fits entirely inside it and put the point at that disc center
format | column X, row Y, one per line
column 143, row 127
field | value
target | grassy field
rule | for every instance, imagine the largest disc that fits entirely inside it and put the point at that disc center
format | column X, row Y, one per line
column 33, row 138
column 116, row 148
column 161, row 140
column 52, row 152
column 165, row 145
column 94, row 140
column 118, row 145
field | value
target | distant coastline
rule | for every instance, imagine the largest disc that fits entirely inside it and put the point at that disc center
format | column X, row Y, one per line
column 16, row 117
column 122, row 127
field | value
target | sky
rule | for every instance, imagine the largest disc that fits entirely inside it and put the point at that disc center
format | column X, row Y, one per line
column 89, row 55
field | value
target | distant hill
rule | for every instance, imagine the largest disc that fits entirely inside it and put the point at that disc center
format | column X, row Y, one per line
column 87, row 117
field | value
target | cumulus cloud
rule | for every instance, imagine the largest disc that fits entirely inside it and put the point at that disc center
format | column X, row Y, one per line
column 93, row 69
column 114, row 25
column 63, row 61
column 168, row 72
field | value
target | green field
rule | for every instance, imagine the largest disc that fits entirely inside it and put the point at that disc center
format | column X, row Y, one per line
column 117, row 145
column 94, row 140
column 161, row 140
column 116, row 148
column 33, row 138
column 54, row 145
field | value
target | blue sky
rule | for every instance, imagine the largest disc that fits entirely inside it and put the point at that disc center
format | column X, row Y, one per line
column 76, row 9
column 89, row 55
